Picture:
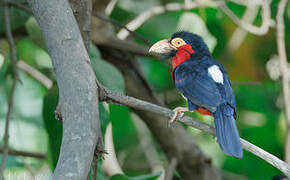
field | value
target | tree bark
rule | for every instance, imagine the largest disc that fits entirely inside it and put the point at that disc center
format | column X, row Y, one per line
column 77, row 88
column 82, row 10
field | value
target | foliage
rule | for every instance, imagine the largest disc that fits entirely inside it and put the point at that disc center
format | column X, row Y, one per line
column 142, row 177
column 34, row 128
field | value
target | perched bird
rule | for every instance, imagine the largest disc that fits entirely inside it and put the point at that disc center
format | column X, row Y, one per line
column 205, row 85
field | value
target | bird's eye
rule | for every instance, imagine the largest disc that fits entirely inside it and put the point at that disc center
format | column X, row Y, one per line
column 177, row 42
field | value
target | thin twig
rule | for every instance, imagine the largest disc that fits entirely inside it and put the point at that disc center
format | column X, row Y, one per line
column 95, row 167
column 110, row 164
column 110, row 7
column 9, row 36
column 104, row 18
column 239, row 35
column 247, row 2
column 170, row 169
column 157, row 10
column 37, row 75
column 262, row 29
column 20, row 6
column 280, row 33
column 25, row 154
column 146, row 106
column 147, row 146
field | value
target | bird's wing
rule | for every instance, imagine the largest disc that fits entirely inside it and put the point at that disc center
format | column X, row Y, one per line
column 201, row 90
column 230, row 96
column 207, row 85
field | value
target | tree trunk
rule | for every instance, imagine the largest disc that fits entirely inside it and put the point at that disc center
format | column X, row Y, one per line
column 77, row 88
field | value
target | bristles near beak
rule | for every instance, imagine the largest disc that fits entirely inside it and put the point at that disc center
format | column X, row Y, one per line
column 161, row 47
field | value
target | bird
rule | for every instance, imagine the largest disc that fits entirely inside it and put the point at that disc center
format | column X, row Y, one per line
column 205, row 85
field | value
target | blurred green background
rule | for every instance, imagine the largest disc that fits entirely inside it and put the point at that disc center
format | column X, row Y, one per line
column 260, row 117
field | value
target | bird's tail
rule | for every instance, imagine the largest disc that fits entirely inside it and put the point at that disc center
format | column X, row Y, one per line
column 226, row 131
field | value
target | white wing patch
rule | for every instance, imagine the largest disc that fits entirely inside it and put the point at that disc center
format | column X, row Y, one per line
column 216, row 74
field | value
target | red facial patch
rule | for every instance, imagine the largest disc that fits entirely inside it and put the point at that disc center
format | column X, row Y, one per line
column 183, row 54
column 203, row 111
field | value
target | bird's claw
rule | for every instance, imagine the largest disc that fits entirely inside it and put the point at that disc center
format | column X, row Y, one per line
column 173, row 120
column 178, row 113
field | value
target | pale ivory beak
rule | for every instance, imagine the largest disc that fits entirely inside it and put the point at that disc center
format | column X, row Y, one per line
column 161, row 47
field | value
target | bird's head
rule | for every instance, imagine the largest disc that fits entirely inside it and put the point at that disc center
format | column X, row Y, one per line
column 181, row 41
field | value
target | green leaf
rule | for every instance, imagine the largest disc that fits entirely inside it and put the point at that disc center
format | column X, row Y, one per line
column 17, row 17
column 157, row 73
column 35, row 32
column 28, row 51
column 28, row 99
column 12, row 161
column 53, row 127
column 104, row 118
column 119, row 177
column 26, row 127
column 3, row 71
column 194, row 23
column 1, row 60
column 124, row 132
column 106, row 73
column 152, row 176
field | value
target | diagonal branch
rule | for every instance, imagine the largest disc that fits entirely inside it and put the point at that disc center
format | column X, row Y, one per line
column 9, row 36
column 134, row 103
column 34, row 73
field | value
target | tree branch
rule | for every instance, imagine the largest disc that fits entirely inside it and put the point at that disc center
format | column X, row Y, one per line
column 110, row 7
column 280, row 33
column 170, row 169
column 9, row 36
column 20, row 6
column 82, row 10
column 266, row 19
column 110, row 164
column 37, row 75
column 146, row 106
column 25, row 153
column 114, row 22
column 157, row 10
column 239, row 34
column 103, row 35
column 147, row 146
column 77, row 90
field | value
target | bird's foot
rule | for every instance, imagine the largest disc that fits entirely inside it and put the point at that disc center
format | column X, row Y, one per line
column 177, row 111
